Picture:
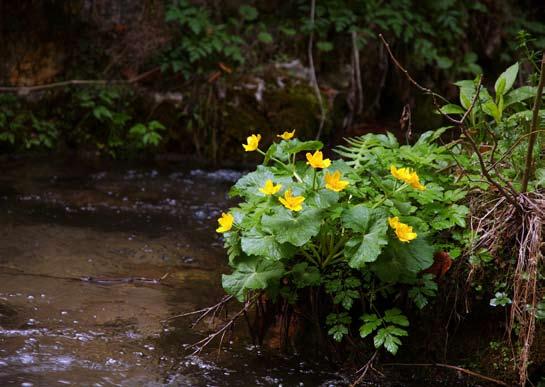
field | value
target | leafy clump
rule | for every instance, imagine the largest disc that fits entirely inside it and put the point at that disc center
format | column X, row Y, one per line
column 357, row 228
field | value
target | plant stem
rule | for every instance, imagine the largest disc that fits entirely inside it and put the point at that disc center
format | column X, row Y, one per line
column 314, row 180
column 310, row 258
column 528, row 169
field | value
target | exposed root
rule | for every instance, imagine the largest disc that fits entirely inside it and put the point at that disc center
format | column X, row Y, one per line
column 363, row 370
column 502, row 227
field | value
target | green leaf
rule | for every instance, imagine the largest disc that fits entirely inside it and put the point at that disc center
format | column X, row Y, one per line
column 392, row 343
column 324, row 46
column 444, row 62
column 492, row 109
column 265, row 245
column 452, row 109
column 249, row 185
column 252, row 274
column 518, row 95
column 305, row 276
column 138, row 130
column 284, row 149
column 371, row 323
column 338, row 332
column 507, row 79
column 323, row 198
column 296, row 229
column 248, row 12
column 400, row 262
column 371, row 228
column 395, row 316
column 265, row 37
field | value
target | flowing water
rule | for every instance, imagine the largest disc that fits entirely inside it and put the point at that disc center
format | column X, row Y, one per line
column 82, row 250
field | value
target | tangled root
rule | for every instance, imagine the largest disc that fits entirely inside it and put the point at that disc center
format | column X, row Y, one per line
column 504, row 227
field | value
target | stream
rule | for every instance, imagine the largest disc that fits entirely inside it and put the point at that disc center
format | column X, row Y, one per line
column 93, row 259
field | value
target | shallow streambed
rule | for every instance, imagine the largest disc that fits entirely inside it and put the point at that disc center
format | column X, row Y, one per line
column 81, row 250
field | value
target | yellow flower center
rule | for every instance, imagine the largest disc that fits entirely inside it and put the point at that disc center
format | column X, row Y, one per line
column 252, row 142
column 317, row 160
column 291, row 202
column 286, row 135
column 269, row 188
column 333, row 181
column 226, row 222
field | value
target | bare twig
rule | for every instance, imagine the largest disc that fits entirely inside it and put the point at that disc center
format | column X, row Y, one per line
column 363, row 370
column 27, row 89
column 456, row 368
column 313, row 79
column 203, row 311
column 528, row 169
column 201, row 344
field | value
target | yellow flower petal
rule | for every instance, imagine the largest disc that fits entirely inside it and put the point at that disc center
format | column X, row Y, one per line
column 408, row 176
column 286, row 135
column 226, row 222
column 291, row 202
column 403, row 231
column 333, row 181
column 269, row 188
column 252, row 142
column 317, row 160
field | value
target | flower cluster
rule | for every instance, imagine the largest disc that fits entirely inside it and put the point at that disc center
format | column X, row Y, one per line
column 332, row 181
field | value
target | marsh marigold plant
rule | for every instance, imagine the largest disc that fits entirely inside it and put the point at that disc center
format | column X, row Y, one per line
column 345, row 226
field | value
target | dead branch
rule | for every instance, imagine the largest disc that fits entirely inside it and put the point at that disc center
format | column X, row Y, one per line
column 23, row 90
column 456, row 368
column 201, row 344
column 204, row 311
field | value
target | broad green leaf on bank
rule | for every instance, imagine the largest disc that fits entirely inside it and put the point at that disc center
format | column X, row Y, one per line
column 518, row 95
column 505, row 81
column 281, row 150
column 296, row 229
column 249, row 185
column 400, row 262
column 252, row 274
column 323, row 198
column 265, row 245
column 370, row 226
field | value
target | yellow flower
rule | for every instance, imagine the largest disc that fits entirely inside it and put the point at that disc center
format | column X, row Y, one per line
column 253, row 143
column 333, row 181
column 403, row 231
column 286, row 135
column 408, row 176
column 317, row 160
column 292, row 202
column 269, row 188
column 225, row 222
